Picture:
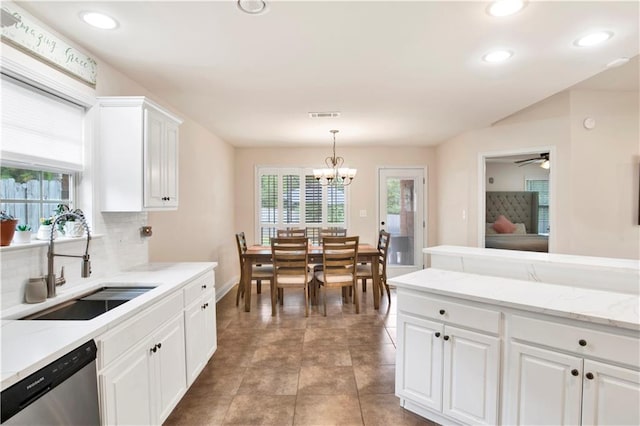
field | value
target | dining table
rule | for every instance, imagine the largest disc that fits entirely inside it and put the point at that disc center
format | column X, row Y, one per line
column 258, row 254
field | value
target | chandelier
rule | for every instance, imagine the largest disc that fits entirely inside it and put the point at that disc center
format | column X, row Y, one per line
column 334, row 173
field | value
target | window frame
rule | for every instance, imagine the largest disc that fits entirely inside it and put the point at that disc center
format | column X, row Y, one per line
column 302, row 172
column 41, row 202
column 540, row 205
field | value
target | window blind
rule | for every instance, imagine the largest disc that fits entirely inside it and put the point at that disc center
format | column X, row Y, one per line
column 39, row 128
column 293, row 198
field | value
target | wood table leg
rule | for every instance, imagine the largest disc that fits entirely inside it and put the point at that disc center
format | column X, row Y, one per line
column 246, row 276
column 376, row 282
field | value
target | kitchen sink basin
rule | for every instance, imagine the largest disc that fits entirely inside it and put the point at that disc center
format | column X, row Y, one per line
column 90, row 305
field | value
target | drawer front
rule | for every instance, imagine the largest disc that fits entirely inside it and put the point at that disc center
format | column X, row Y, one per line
column 449, row 312
column 198, row 287
column 114, row 343
column 604, row 345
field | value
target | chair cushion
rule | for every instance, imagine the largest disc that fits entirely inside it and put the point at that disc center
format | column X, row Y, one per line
column 291, row 279
column 261, row 272
column 333, row 278
column 364, row 270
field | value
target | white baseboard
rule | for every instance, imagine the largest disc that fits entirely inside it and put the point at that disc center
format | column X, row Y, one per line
column 222, row 290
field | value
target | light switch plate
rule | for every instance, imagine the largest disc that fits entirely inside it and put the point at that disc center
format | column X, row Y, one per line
column 363, row 213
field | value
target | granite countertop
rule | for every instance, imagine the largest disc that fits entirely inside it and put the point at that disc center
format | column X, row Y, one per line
column 597, row 306
column 28, row 346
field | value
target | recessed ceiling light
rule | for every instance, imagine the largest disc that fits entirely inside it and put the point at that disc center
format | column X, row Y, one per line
column 497, row 56
column 501, row 8
column 99, row 20
column 593, row 39
column 252, row 7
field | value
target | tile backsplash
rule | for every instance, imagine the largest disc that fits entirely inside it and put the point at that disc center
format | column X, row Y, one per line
column 119, row 246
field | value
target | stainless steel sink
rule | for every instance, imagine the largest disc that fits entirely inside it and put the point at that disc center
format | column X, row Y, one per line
column 91, row 305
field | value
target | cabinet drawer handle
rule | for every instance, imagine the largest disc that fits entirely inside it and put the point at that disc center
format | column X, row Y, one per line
column 437, row 334
column 582, row 342
column 204, row 286
column 574, row 372
column 445, row 337
column 589, row 376
column 442, row 311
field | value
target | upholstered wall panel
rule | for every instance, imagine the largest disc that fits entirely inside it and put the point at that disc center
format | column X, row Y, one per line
column 517, row 206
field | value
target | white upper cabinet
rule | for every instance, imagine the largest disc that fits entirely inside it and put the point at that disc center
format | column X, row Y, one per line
column 137, row 155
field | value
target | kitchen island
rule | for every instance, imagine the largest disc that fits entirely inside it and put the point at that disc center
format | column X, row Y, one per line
column 176, row 317
column 486, row 349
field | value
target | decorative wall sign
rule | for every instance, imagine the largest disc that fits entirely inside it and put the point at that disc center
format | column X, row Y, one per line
column 29, row 36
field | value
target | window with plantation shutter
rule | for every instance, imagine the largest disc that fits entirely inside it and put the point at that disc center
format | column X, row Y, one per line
column 542, row 188
column 293, row 198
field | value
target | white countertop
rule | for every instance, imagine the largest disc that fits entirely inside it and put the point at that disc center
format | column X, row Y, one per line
column 596, row 306
column 28, row 346
column 517, row 255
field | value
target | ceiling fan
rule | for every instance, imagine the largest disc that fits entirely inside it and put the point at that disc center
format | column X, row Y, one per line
column 542, row 160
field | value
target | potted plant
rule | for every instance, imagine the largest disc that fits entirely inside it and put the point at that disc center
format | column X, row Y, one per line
column 44, row 231
column 23, row 234
column 7, row 228
column 69, row 225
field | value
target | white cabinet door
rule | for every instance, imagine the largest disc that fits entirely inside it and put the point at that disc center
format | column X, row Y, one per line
column 471, row 376
column 194, row 321
column 419, row 361
column 210, row 332
column 169, row 367
column 155, row 163
column 545, row 387
column 161, row 161
column 610, row 395
column 126, row 396
column 171, row 165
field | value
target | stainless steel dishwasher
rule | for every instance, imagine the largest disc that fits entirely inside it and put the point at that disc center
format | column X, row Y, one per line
column 64, row 392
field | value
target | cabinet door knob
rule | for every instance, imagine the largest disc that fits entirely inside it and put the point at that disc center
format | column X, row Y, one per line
column 204, row 286
column 437, row 334
column 159, row 345
column 589, row 376
column 582, row 342
column 442, row 311
column 445, row 337
column 154, row 349
column 574, row 372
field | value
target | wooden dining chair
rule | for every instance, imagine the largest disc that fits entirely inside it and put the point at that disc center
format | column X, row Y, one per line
column 290, row 268
column 258, row 272
column 292, row 232
column 365, row 271
column 339, row 258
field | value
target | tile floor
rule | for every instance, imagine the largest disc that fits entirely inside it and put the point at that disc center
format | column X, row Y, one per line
column 292, row 370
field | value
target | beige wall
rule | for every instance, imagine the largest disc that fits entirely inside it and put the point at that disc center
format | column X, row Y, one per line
column 198, row 230
column 511, row 177
column 600, row 222
column 362, row 192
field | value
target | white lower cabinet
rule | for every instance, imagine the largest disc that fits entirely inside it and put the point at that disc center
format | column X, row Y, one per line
column 610, row 395
column 471, row 376
column 146, row 384
column 556, row 371
column 200, row 324
column 547, row 385
column 445, row 370
column 146, row 364
column 542, row 387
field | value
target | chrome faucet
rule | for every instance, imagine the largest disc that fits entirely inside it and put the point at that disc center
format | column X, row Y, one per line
column 52, row 281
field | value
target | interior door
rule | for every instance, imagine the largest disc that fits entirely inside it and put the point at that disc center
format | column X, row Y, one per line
column 401, row 213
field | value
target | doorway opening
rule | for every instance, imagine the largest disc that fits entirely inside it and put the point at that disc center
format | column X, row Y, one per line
column 516, row 200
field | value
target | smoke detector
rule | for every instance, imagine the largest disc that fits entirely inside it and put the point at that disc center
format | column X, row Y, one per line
column 334, row 114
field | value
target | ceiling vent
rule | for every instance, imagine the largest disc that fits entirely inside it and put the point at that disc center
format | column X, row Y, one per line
column 324, row 114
